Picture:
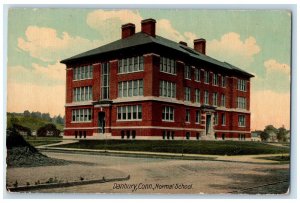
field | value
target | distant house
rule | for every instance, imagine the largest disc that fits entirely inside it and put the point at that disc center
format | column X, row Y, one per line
column 255, row 136
column 273, row 137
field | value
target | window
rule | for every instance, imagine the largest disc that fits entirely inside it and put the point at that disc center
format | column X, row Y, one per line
column 242, row 136
column 132, row 112
column 83, row 72
column 241, row 102
column 187, row 94
column 187, row 135
column 105, row 81
column 167, row 89
column 132, row 64
column 242, row 121
column 215, row 99
column 187, row 115
column 197, row 116
column 223, row 119
column 168, row 113
column 81, row 115
column 216, row 119
column 215, row 79
column 167, row 65
column 206, row 97
column 197, row 74
column 130, row 88
column 187, row 72
column 241, row 85
column 223, row 81
column 206, row 77
column 223, row 100
column 197, row 95
column 82, row 94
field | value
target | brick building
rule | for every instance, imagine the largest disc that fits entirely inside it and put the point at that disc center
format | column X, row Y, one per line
column 144, row 86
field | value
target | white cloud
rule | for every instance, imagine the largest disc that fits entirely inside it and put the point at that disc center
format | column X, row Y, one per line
column 102, row 18
column 269, row 107
column 232, row 49
column 108, row 22
column 166, row 29
column 37, row 74
column 45, row 44
column 33, row 97
column 272, row 65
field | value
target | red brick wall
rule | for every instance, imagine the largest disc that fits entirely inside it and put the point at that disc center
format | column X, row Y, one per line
column 96, row 81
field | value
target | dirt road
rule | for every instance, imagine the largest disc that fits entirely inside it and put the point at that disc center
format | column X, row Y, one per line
column 156, row 175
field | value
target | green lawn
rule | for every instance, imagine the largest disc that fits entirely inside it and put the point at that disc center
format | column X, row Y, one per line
column 181, row 146
column 281, row 159
column 38, row 141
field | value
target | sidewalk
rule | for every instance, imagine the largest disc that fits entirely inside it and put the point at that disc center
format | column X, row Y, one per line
column 59, row 143
column 239, row 158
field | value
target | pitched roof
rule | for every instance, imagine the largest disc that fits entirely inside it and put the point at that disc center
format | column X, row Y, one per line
column 141, row 38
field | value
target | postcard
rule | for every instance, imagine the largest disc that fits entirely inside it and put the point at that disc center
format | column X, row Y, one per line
column 148, row 101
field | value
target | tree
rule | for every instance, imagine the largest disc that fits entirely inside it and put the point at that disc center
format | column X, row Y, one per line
column 264, row 136
column 14, row 120
column 268, row 134
column 270, row 129
column 26, row 113
column 59, row 120
column 48, row 130
column 46, row 116
column 282, row 134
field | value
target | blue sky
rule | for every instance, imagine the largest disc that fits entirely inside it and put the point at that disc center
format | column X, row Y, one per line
column 256, row 41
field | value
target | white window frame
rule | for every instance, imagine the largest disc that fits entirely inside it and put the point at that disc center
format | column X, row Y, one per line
column 215, row 79
column 215, row 99
column 223, row 100
column 187, row 94
column 129, row 65
column 187, row 115
column 198, row 117
column 82, row 115
column 223, row 119
column 206, row 97
column 167, row 111
column 242, row 85
column 129, row 110
column 187, row 72
column 206, row 77
column 242, row 120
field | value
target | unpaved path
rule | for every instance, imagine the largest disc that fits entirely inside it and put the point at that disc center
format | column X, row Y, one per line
column 191, row 176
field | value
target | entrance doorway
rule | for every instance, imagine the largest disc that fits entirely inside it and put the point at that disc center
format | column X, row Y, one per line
column 101, row 122
column 208, row 124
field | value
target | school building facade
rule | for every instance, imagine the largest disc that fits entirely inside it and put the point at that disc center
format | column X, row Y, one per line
column 144, row 86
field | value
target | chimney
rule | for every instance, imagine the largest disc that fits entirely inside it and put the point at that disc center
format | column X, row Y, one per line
column 200, row 45
column 128, row 30
column 183, row 43
column 148, row 26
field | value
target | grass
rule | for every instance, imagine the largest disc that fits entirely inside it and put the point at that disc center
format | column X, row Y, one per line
column 282, row 159
column 181, row 146
column 32, row 123
column 38, row 141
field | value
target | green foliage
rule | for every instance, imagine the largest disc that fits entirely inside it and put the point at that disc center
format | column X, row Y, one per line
column 181, row 146
column 270, row 131
column 28, row 121
column 48, row 130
